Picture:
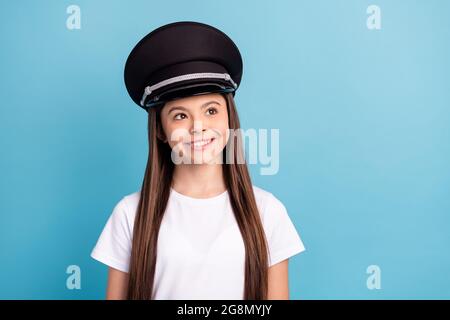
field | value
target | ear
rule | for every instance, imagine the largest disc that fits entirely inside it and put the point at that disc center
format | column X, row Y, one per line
column 160, row 133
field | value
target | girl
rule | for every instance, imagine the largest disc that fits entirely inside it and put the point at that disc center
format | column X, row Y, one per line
column 197, row 228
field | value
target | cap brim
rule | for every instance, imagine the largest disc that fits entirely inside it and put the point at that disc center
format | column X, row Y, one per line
column 187, row 90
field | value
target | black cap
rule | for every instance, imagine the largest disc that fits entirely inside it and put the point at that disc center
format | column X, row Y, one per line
column 182, row 59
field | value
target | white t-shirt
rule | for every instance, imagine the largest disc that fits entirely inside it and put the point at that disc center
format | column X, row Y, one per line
column 201, row 252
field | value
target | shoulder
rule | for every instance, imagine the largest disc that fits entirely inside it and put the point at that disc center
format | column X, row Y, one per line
column 124, row 211
column 114, row 244
column 131, row 201
column 283, row 239
column 270, row 207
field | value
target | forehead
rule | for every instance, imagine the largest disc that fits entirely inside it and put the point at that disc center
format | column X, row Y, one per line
column 195, row 101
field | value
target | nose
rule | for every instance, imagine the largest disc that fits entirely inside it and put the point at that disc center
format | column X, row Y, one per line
column 198, row 127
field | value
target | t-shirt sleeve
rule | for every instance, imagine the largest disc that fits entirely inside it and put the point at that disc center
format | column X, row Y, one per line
column 282, row 236
column 113, row 247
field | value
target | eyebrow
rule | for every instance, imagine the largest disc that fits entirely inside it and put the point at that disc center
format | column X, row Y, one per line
column 183, row 108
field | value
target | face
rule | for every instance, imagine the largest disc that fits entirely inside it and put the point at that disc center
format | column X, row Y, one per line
column 195, row 127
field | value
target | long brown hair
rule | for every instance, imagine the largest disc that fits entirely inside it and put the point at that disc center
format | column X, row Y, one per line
column 153, row 201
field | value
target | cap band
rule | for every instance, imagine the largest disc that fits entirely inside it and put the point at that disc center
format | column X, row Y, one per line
column 209, row 75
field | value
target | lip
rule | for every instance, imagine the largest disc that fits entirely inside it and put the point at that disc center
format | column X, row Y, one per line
column 201, row 144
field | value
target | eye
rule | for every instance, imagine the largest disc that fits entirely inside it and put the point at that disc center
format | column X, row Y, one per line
column 211, row 111
column 179, row 114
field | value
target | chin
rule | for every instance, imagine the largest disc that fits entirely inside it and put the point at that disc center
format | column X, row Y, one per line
column 205, row 158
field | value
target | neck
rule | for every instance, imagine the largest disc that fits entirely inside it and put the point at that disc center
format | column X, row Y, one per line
column 199, row 180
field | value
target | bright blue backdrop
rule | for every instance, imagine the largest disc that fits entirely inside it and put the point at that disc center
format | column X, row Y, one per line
column 364, row 133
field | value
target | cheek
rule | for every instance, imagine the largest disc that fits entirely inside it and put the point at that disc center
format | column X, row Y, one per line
column 221, row 125
column 175, row 132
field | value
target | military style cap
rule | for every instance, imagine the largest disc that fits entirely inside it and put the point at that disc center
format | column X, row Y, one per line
column 182, row 59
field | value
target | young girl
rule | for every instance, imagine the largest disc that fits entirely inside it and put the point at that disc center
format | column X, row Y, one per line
column 197, row 228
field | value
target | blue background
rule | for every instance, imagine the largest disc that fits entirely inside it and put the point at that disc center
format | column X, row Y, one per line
column 364, row 136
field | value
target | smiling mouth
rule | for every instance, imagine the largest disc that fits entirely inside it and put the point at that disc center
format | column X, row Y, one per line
column 201, row 144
